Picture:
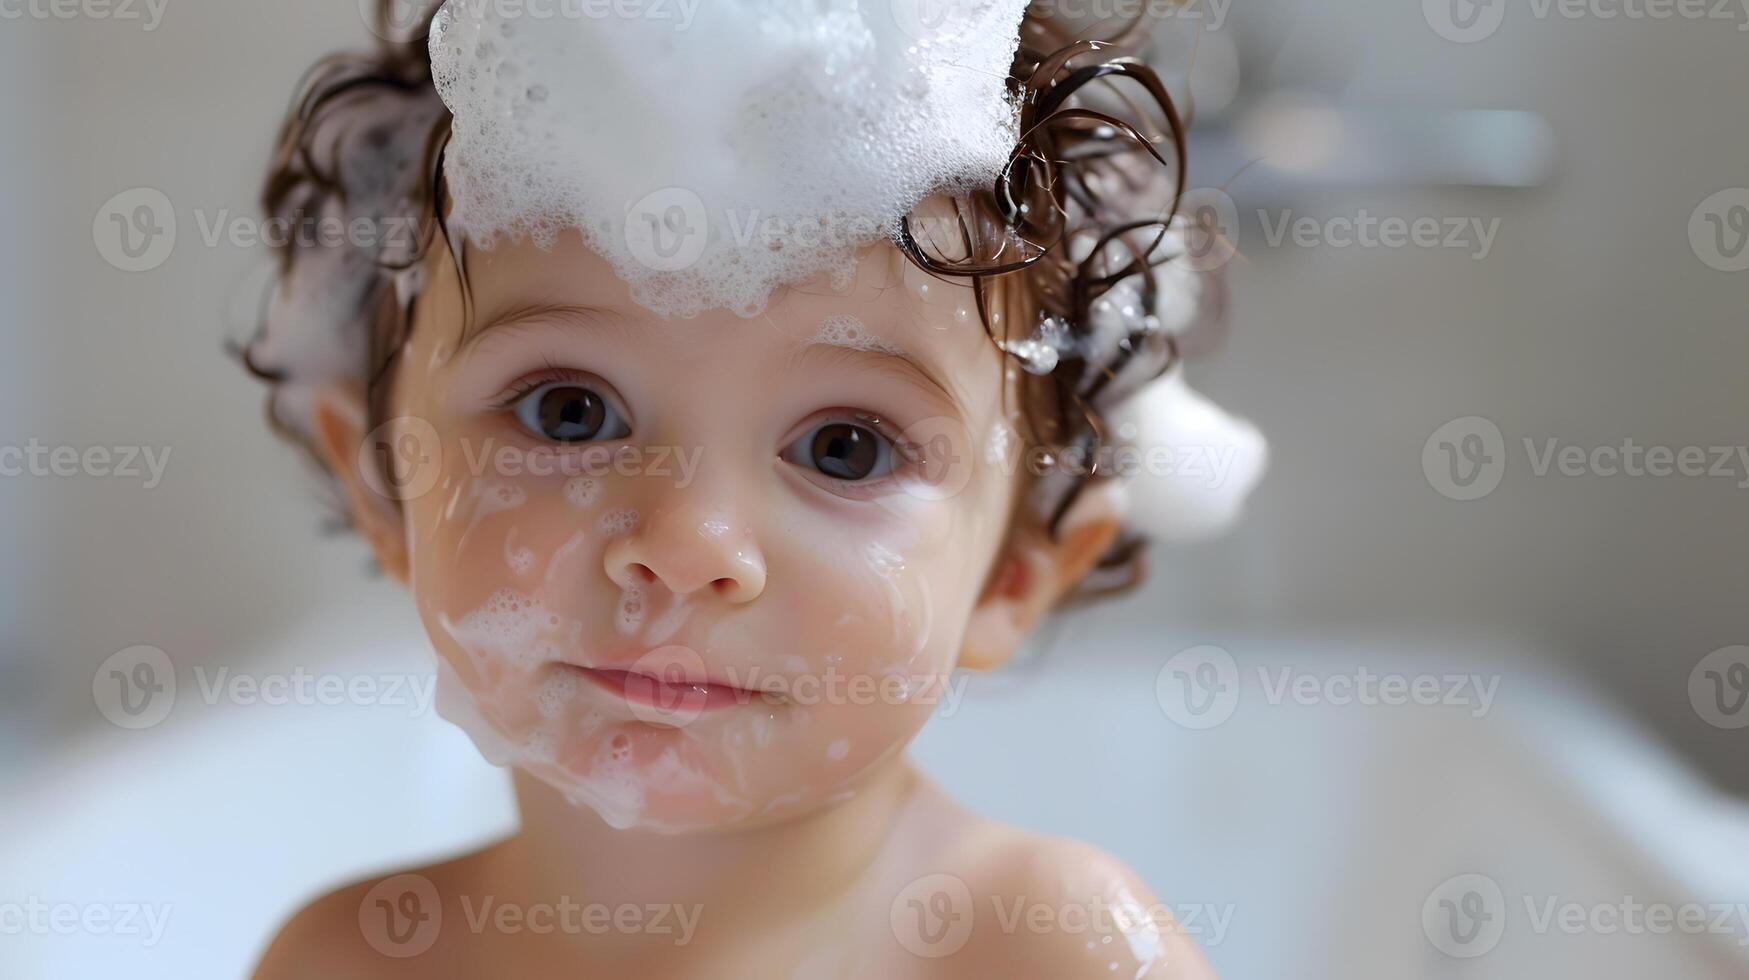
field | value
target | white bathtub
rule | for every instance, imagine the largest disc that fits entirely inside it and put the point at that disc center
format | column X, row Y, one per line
column 1304, row 840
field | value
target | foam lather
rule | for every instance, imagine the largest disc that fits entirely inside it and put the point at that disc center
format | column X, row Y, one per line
column 762, row 143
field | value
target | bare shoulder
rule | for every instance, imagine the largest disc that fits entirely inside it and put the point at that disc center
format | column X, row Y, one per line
column 376, row 927
column 1063, row 908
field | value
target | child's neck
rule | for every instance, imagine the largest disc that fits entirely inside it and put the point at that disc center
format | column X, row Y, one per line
column 771, row 873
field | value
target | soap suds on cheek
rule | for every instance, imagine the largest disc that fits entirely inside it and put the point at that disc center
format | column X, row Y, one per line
column 582, row 491
column 473, row 502
column 519, row 559
column 619, row 522
column 908, row 602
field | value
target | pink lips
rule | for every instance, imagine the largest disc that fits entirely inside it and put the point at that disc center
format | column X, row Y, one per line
column 674, row 694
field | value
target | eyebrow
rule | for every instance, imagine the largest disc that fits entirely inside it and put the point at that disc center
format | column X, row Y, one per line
column 517, row 314
column 892, row 357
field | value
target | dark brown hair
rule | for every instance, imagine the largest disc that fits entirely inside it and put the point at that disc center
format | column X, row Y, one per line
column 1100, row 158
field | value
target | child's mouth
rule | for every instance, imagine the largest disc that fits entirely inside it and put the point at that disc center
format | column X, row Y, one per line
column 678, row 695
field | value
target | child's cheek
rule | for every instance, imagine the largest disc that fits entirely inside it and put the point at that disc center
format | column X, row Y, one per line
column 881, row 610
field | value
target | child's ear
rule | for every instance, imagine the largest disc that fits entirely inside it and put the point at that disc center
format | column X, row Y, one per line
column 339, row 419
column 1035, row 571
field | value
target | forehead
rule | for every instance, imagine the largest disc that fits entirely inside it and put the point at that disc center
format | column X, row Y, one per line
column 891, row 303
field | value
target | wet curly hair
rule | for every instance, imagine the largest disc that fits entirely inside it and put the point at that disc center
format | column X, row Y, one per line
column 1099, row 163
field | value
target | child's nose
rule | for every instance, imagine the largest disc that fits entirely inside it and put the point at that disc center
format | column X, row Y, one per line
column 688, row 550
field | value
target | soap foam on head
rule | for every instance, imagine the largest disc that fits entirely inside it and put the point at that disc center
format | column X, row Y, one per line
column 761, row 145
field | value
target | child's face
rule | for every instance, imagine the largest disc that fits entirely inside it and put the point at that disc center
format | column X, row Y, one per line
column 606, row 509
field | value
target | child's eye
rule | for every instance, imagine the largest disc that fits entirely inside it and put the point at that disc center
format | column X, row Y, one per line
column 565, row 411
column 843, row 451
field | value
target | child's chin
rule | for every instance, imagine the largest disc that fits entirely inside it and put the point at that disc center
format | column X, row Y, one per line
column 650, row 810
column 643, row 777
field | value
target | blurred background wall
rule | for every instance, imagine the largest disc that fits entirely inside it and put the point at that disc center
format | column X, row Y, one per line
column 1589, row 320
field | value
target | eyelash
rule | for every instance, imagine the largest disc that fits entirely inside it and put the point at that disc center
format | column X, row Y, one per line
column 523, row 387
